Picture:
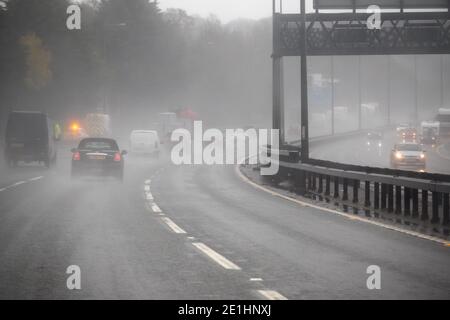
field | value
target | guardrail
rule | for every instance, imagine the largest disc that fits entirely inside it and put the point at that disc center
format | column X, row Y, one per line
column 400, row 192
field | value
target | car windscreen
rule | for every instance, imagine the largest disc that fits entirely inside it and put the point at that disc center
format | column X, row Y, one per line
column 94, row 145
column 26, row 126
column 409, row 147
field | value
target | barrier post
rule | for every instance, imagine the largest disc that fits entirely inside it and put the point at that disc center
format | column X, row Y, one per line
column 376, row 196
column 424, row 215
column 367, row 195
column 407, row 201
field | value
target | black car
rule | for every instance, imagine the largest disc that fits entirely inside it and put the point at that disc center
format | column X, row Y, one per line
column 29, row 137
column 98, row 156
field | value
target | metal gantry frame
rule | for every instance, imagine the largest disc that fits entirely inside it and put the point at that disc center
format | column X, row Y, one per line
column 329, row 34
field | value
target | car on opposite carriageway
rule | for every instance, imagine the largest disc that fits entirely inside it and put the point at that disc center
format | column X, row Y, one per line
column 408, row 155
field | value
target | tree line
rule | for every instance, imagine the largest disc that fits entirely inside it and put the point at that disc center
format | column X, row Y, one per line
column 130, row 57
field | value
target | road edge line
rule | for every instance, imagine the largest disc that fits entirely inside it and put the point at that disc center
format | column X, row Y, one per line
column 340, row 213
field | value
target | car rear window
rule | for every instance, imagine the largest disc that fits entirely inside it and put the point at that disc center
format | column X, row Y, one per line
column 98, row 145
column 143, row 136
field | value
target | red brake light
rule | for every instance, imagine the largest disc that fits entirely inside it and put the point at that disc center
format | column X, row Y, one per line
column 76, row 156
column 117, row 157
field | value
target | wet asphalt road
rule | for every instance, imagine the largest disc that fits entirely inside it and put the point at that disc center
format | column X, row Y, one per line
column 216, row 237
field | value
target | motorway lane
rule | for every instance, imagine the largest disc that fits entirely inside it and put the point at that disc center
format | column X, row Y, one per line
column 102, row 226
column 300, row 252
column 355, row 150
column 126, row 251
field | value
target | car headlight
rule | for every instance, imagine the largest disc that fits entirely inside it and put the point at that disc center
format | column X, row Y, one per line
column 398, row 155
column 380, row 144
column 422, row 156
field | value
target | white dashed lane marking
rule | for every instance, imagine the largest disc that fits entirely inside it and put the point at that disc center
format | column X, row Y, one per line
column 271, row 295
column 207, row 251
column 172, row 225
column 155, row 208
column 256, row 279
column 36, row 178
column 18, row 183
column 216, row 257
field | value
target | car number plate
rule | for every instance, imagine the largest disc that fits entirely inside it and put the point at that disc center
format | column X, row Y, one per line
column 97, row 157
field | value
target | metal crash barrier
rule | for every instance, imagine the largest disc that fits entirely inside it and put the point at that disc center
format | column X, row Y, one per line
column 411, row 194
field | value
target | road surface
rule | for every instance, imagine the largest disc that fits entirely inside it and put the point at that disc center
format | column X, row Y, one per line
column 194, row 232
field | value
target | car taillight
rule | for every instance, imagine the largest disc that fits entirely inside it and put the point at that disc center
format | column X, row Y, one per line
column 76, row 156
column 117, row 157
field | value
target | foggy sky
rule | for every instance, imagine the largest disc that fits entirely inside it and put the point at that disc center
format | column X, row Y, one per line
column 228, row 10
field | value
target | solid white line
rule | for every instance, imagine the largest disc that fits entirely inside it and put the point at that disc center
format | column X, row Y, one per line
column 36, row 178
column 271, row 295
column 172, row 225
column 346, row 215
column 147, row 188
column 155, row 208
column 149, row 196
column 16, row 184
column 216, row 257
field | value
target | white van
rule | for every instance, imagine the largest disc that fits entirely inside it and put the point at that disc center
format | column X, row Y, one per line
column 145, row 142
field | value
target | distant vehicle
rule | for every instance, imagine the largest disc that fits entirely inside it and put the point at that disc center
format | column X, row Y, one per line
column 401, row 127
column 74, row 132
column 98, row 156
column 167, row 123
column 443, row 118
column 430, row 132
column 374, row 140
column 30, row 137
column 98, row 125
column 375, row 135
column 408, row 155
column 170, row 121
column 145, row 142
column 407, row 134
